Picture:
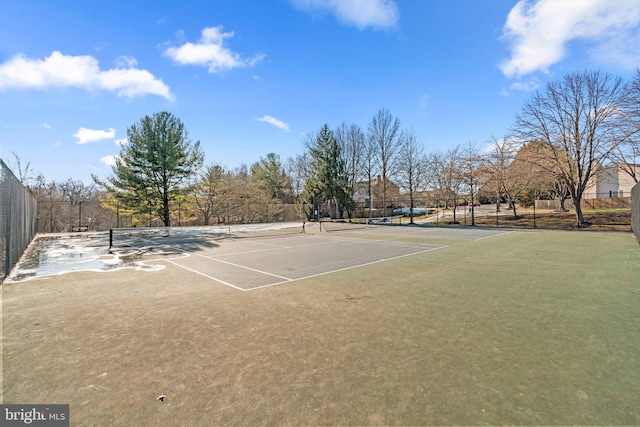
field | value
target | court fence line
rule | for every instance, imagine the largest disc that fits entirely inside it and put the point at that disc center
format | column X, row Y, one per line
column 18, row 219
column 635, row 210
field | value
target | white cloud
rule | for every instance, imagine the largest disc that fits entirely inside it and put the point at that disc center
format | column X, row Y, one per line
column 85, row 135
column 45, row 125
column 109, row 160
column 275, row 122
column 59, row 70
column 126, row 62
column 378, row 14
column 211, row 52
column 524, row 86
column 539, row 31
column 508, row 146
column 120, row 142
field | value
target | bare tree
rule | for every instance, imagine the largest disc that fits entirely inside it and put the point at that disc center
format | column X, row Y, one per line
column 370, row 169
column 50, row 206
column 627, row 154
column 77, row 194
column 411, row 167
column 577, row 120
column 472, row 173
column 499, row 159
column 537, row 159
column 384, row 134
column 296, row 168
column 506, row 174
column 353, row 148
column 22, row 169
column 448, row 178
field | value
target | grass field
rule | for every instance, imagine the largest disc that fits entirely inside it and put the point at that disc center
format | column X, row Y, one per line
column 527, row 328
column 610, row 220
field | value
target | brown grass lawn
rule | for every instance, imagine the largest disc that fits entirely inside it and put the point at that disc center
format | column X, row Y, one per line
column 534, row 327
column 598, row 220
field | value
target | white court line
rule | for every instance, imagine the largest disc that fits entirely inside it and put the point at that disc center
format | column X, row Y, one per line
column 494, row 235
column 221, row 261
column 324, row 241
column 207, row 276
column 287, row 279
column 343, row 269
column 244, row 267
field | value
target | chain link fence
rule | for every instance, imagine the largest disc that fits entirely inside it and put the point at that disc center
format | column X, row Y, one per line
column 59, row 215
column 18, row 219
column 528, row 212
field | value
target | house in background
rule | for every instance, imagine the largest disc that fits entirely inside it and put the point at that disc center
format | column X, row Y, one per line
column 612, row 181
column 363, row 201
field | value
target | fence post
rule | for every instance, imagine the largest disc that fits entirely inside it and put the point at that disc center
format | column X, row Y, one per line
column 535, row 196
column 7, row 260
column 18, row 219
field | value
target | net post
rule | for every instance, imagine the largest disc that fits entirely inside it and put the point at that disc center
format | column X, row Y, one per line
column 110, row 238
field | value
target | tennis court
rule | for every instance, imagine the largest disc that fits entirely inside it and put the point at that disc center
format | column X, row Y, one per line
column 377, row 326
column 251, row 258
column 247, row 264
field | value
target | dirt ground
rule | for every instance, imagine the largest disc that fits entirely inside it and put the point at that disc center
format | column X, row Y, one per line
column 527, row 328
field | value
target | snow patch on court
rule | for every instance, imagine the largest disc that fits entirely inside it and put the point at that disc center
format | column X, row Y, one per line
column 65, row 253
column 55, row 254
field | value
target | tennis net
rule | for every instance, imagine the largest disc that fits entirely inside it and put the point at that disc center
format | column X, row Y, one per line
column 358, row 223
column 175, row 236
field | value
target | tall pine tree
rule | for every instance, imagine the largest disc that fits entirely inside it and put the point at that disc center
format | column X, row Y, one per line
column 154, row 167
column 328, row 181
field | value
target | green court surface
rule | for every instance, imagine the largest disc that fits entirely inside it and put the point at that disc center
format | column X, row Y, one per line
column 433, row 327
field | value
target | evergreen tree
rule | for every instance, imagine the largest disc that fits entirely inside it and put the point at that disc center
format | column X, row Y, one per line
column 328, row 181
column 270, row 175
column 154, row 168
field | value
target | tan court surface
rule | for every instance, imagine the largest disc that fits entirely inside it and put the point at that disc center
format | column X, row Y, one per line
column 522, row 328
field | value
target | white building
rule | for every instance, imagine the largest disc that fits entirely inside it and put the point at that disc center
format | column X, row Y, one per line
column 612, row 181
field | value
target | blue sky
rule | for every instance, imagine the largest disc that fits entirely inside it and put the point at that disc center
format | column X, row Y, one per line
column 250, row 77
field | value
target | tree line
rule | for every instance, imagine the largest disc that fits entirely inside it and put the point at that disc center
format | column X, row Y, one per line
column 560, row 141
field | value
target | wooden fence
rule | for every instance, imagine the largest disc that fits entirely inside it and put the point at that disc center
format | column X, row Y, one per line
column 603, row 203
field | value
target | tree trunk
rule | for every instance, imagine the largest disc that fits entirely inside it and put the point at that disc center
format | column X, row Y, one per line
column 562, row 208
column 411, row 208
column 165, row 210
column 578, row 208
